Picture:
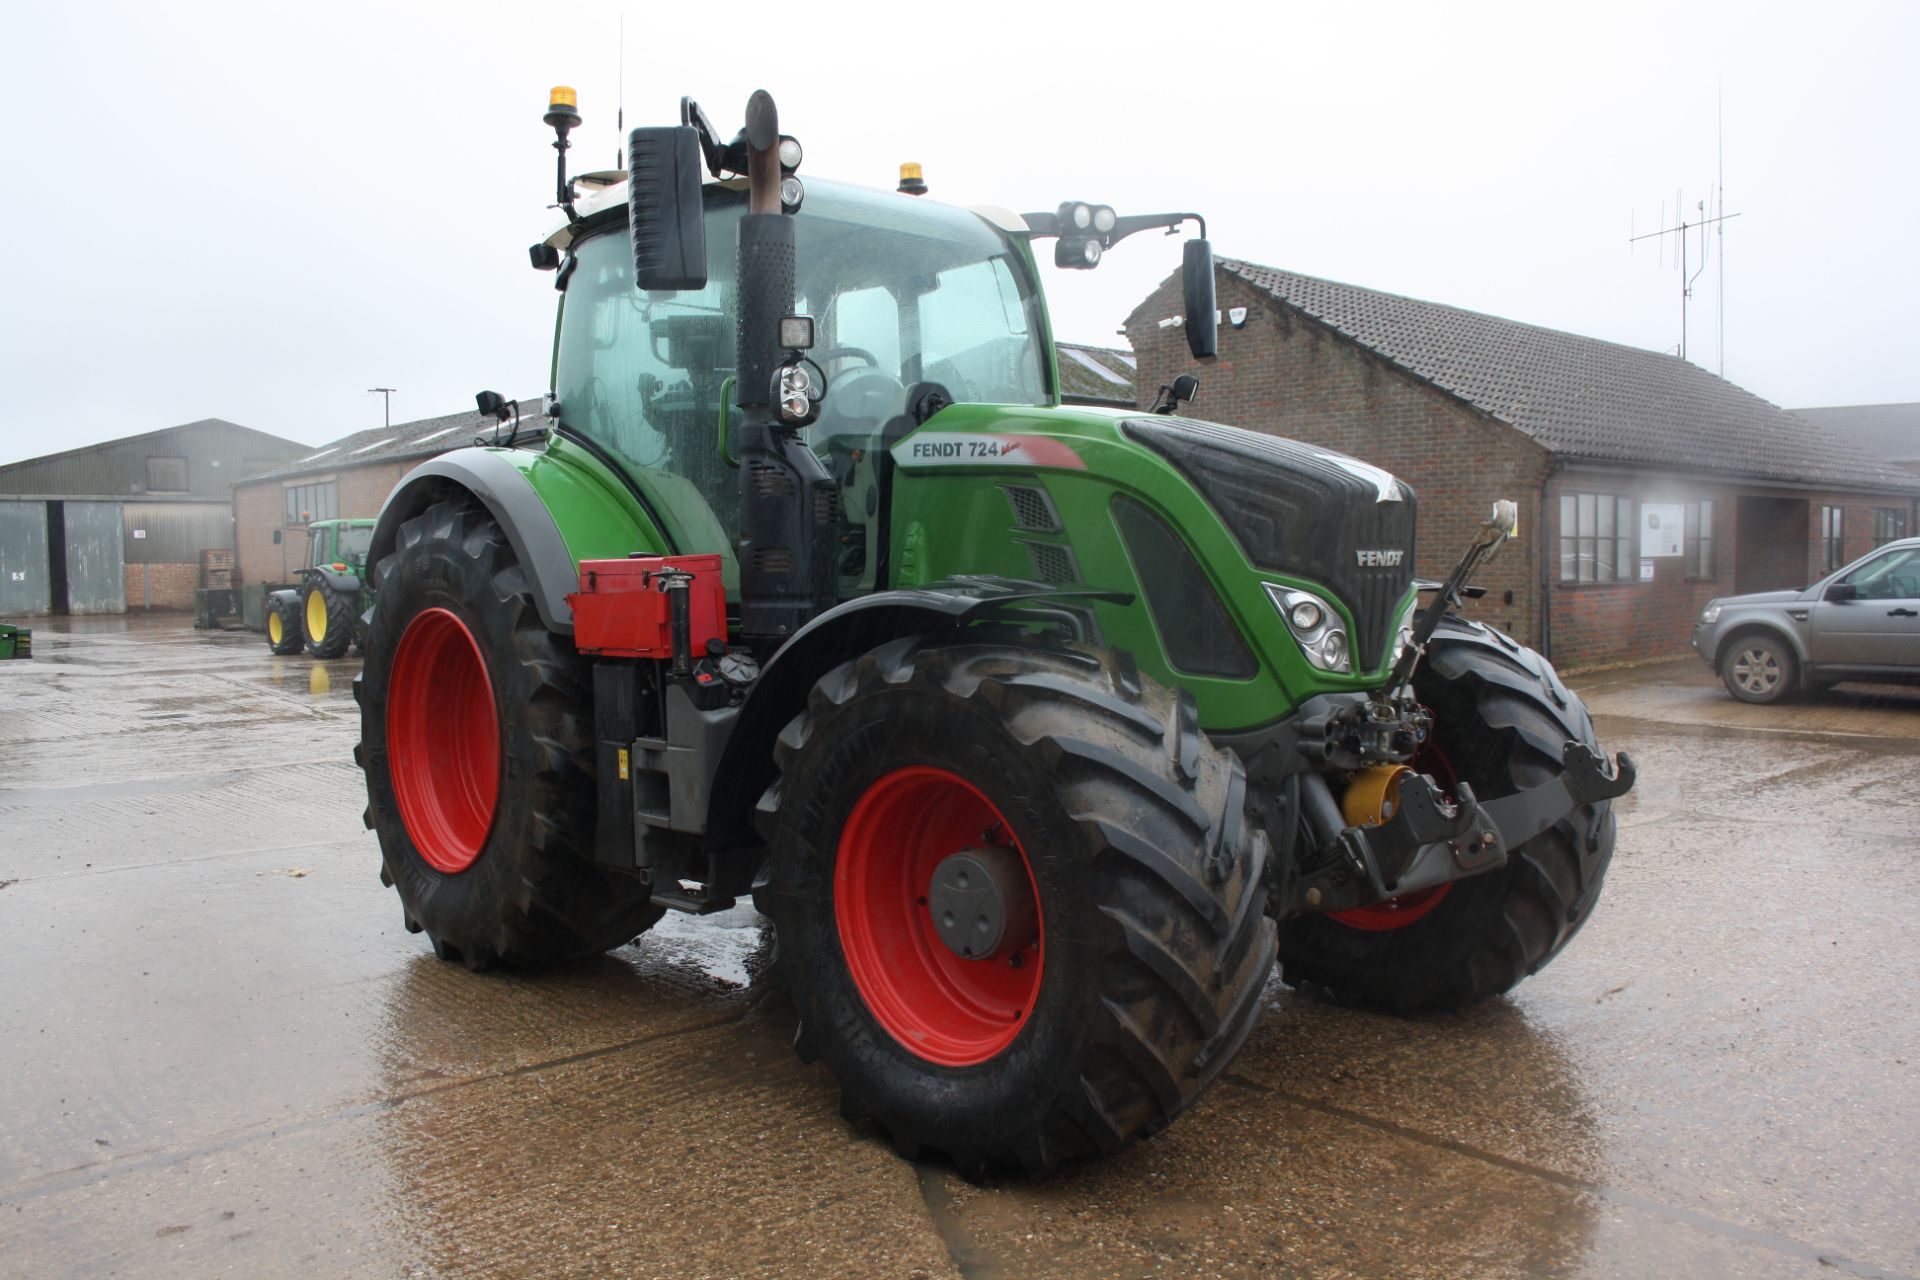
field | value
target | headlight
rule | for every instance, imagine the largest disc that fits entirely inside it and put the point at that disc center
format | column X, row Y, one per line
column 1403, row 633
column 1711, row 613
column 1316, row 628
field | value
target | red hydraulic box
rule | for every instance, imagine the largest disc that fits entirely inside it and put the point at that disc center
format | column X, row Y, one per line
column 621, row 612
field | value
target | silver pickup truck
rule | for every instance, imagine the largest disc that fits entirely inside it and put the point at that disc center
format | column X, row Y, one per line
column 1860, row 623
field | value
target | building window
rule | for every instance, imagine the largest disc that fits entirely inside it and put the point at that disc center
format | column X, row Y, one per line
column 1700, row 539
column 1596, row 538
column 1888, row 523
column 166, row 475
column 1832, row 541
column 309, row 502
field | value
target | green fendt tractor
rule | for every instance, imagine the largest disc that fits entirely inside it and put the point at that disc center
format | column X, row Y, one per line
column 1034, row 729
column 326, row 610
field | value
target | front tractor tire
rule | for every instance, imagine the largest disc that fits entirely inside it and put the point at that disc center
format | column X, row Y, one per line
column 475, row 738
column 328, row 614
column 284, row 636
column 1501, row 719
column 1016, row 901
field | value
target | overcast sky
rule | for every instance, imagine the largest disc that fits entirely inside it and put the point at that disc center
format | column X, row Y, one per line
column 255, row 212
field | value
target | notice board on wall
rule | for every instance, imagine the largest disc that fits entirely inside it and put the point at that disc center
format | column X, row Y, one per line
column 1663, row 528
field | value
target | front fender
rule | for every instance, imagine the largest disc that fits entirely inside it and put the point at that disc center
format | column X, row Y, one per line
column 846, row 631
column 347, row 582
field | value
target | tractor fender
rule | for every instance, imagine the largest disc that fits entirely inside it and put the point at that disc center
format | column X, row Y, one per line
column 289, row 596
column 347, row 582
column 508, row 496
column 845, row 631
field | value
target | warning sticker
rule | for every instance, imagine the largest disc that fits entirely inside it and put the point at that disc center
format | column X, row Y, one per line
column 931, row 449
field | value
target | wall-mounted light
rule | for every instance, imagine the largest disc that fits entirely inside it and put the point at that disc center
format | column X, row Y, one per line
column 1237, row 317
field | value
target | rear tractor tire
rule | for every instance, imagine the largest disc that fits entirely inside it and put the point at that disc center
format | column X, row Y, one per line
column 1501, row 719
column 1015, row 899
column 329, row 620
column 284, row 635
column 475, row 737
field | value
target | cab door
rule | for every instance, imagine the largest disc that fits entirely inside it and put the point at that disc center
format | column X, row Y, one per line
column 1877, row 623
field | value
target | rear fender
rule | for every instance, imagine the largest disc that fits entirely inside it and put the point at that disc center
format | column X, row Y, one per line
column 347, row 583
column 512, row 500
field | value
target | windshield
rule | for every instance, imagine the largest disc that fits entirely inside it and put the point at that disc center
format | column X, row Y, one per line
column 354, row 542
column 901, row 291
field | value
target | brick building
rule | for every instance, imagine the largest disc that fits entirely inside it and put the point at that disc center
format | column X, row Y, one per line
column 123, row 524
column 347, row 479
column 1646, row 485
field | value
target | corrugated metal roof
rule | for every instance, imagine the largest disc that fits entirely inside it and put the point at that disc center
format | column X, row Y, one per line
column 403, row 440
column 1580, row 397
column 1103, row 374
column 193, row 460
column 1890, row 431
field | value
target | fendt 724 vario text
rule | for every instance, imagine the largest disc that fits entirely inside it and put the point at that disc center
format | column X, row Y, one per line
column 1037, row 731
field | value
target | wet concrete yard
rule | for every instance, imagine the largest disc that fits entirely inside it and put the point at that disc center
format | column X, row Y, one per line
column 221, row 1054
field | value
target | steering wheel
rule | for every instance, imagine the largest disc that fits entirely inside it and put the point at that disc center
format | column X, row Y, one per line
column 854, row 353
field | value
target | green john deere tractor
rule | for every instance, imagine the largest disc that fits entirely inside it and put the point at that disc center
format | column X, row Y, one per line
column 1036, row 730
column 325, row 611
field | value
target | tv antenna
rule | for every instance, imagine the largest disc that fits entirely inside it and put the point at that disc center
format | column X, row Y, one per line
column 386, row 394
column 1680, row 229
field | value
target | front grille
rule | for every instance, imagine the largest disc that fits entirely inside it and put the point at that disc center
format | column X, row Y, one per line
column 1302, row 511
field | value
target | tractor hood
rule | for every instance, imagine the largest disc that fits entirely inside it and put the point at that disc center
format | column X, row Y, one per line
column 1303, row 511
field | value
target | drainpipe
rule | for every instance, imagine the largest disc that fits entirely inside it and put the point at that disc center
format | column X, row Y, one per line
column 1546, row 573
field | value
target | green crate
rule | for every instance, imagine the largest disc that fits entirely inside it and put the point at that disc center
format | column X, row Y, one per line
column 15, row 642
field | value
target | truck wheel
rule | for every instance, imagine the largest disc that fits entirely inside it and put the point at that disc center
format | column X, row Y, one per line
column 329, row 619
column 1501, row 717
column 1757, row 668
column 476, row 740
column 283, row 628
column 1015, row 899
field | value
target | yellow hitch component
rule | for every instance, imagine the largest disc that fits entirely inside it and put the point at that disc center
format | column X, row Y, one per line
column 1372, row 796
column 316, row 617
column 274, row 631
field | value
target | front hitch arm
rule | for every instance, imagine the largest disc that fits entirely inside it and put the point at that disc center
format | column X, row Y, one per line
column 1432, row 839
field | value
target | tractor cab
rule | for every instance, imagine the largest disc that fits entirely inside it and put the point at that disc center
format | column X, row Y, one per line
column 903, row 293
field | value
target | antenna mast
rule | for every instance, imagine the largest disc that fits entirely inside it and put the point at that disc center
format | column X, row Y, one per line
column 1686, row 281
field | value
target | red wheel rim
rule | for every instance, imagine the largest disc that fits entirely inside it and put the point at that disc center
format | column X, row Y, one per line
column 947, row 1010
column 443, row 740
column 1398, row 913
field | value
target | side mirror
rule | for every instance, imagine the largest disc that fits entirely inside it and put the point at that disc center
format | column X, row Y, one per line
column 664, row 219
column 1203, row 312
column 492, row 404
column 1842, row 592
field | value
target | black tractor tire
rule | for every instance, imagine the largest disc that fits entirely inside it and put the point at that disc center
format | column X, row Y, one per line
column 1757, row 667
column 514, row 702
column 328, row 614
column 1501, row 720
column 1153, row 945
column 293, row 636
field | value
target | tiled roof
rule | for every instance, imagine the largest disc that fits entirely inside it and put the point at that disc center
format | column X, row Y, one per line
column 421, row 439
column 1096, row 373
column 1580, row 397
column 1890, row 431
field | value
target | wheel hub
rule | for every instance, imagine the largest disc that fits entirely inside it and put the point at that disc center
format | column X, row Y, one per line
column 982, row 903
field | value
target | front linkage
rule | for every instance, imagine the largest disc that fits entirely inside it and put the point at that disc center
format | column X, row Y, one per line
column 1399, row 832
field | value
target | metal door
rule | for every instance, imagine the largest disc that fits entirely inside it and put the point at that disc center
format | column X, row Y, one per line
column 96, row 558
column 23, row 558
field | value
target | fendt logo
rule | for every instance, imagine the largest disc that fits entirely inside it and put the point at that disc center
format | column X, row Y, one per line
column 1380, row 559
